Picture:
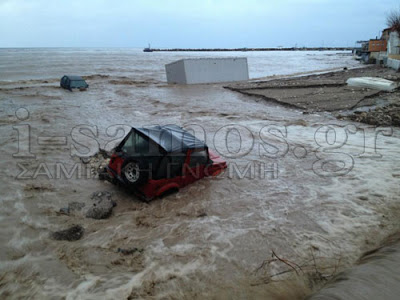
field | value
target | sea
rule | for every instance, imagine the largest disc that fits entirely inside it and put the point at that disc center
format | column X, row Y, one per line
column 41, row 63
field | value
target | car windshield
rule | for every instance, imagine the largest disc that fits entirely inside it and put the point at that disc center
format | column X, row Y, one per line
column 136, row 144
column 78, row 84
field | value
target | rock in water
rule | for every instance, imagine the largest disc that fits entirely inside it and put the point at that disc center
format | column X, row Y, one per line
column 102, row 206
column 73, row 233
column 129, row 251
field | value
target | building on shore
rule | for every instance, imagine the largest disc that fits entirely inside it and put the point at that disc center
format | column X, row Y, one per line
column 377, row 49
column 393, row 51
column 386, row 33
column 361, row 52
column 382, row 51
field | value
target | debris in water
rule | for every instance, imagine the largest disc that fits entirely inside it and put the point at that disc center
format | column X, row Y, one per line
column 38, row 187
column 72, row 206
column 129, row 251
column 202, row 215
column 381, row 116
column 98, row 161
column 73, row 233
column 64, row 211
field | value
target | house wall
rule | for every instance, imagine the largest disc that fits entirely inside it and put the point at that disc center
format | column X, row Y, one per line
column 394, row 51
column 380, row 57
column 377, row 45
column 209, row 70
column 385, row 34
column 393, row 44
column 374, row 55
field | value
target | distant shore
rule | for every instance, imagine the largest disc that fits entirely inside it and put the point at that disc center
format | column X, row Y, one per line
column 248, row 49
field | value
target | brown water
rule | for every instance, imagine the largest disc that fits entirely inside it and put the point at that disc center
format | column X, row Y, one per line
column 209, row 239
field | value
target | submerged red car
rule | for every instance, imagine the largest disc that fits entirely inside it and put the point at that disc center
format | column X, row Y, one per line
column 157, row 160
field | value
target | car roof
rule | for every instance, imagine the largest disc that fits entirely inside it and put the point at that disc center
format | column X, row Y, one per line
column 74, row 77
column 172, row 138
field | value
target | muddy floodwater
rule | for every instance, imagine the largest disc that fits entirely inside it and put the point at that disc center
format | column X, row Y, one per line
column 315, row 191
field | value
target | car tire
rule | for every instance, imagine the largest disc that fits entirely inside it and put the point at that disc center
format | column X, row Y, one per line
column 133, row 173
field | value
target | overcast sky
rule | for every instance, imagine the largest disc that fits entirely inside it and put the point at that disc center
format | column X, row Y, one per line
column 190, row 23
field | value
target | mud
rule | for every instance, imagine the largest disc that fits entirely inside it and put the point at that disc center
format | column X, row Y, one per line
column 381, row 116
column 323, row 92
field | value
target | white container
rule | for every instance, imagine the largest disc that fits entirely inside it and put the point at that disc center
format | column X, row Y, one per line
column 372, row 83
column 207, row 70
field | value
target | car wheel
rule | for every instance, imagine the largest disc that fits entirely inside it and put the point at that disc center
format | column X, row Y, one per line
column 131, row 172
column 134, row 173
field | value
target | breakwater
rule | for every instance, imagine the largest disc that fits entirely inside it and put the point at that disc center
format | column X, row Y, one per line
column 248, row 49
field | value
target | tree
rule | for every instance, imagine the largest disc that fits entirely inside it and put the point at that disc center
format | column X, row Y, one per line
column 393, row 20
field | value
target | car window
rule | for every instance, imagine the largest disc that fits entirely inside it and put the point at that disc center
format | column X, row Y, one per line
column 141, row 144
column 128, row 145
column 198, row 158
column 136, row 145
column 78, row 84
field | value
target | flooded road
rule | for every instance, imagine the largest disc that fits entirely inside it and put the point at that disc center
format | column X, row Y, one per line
column 294, row 186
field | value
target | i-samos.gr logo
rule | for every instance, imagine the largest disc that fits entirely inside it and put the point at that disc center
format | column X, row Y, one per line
column 251, row 152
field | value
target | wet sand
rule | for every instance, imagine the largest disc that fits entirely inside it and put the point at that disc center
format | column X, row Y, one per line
column 322, row 92
column 212, row 238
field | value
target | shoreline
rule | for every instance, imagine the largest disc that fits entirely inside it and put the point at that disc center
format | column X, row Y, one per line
column 306, row 73
column 247, row 49
column 317, row 92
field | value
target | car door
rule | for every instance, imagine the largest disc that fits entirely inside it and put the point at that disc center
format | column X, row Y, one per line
column 194, row 167
column 175, row 168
